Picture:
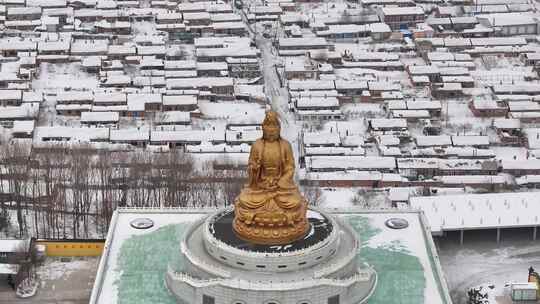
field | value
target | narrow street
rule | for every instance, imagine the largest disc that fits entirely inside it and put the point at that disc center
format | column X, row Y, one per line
column 277, row 95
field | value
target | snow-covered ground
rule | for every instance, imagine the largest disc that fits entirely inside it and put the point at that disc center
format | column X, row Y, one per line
column 483, row 262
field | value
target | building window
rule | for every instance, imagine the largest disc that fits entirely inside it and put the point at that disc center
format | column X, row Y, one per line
column 333, row 300
column 208, row 300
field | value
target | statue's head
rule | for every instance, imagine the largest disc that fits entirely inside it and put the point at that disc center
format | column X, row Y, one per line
column 271, row 126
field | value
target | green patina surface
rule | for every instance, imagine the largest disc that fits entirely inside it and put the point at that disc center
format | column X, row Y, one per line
column 143, row 262
column 400, row 275
column 144, row 258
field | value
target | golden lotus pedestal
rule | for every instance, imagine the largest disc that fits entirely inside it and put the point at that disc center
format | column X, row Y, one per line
column 270, row 234
column 270, row 224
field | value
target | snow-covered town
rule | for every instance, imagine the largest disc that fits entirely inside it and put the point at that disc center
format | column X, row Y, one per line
column 425, row 109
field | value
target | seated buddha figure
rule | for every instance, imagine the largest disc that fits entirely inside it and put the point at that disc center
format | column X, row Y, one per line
column 270, row 210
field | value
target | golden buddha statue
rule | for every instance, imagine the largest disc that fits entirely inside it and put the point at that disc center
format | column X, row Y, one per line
column 270, row 210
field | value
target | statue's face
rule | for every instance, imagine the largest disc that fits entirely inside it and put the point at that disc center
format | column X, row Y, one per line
column 271, row 132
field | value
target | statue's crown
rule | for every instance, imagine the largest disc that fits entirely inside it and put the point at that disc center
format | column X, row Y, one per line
column 271, row 118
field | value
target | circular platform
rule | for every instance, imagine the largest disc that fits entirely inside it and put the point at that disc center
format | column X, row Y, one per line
column 318, row 267
column 316, row 246
column 221, row 228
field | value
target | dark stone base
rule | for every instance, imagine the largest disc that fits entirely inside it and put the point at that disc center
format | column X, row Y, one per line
column 319, row 229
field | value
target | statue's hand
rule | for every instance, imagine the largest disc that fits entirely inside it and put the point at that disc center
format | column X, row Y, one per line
column 284, row 184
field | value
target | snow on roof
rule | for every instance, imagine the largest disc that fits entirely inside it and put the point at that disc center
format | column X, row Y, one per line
column 523, row 106
column 231, row 51
column 416, row 163
column 228, row 25
column 81, row 47
column 407, row 10
column 207, row 66
column 508, row 19
column 321, row 138
column 74, row 96
column 23, row 11
column 351, row 84
column 263, row 9
column 109, row 97
column 505, row 123
column 317, row 102
column 46, row 3
column 10, row 246
column 124, row 49
column 341, row 175
column 485, row 104
column 146, row 50
column 26, row 110
column 498, row 41
column 173, row 117
column 411, row 114
column 100, row 117
column 180, row 64
column 48, row 46
column 17, row 45
column 223, row 42
column 72, row 133
column 350, row 163
column 256, row 91
column 10, row 95
column 302, row 42
column 306, row 85
column 471, row 179
column 132, row 134
column 423, row 104
column 179, row 100
column 386, row 123
column 9, row 268
column 199, row 82
column 477, row 211
column 524, row 164
column 470, row 140
column 144, row 97
column 344, row 29
column 236, row 136
column 433, row 141
column 32, row 96
column 196, row 16
column 423, row 69
column 234, row 112
column 23, row 126
column 528, row 179
column 387, row 140
column 187, row 136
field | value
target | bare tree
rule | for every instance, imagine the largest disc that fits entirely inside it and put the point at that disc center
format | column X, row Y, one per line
column 14, row 159
column 313, row 195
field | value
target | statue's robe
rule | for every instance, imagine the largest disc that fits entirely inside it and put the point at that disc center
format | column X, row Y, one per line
column 254, row 196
